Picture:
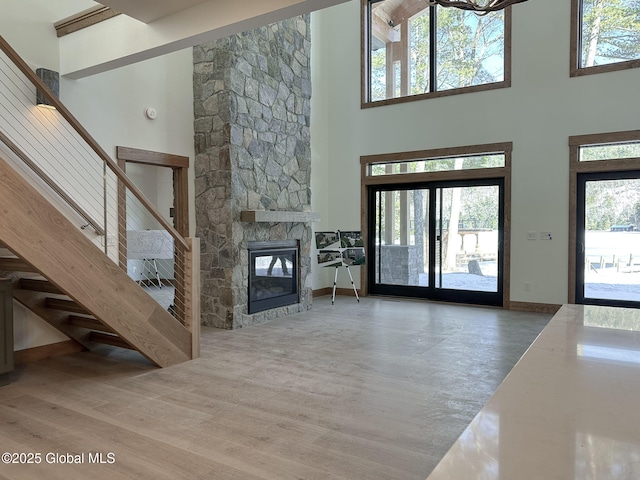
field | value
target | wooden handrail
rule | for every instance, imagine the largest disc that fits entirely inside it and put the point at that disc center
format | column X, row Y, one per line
column 113, row 166
column 53, row 185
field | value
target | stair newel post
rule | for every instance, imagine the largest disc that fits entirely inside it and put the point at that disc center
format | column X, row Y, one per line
column 188, row 291
column 104, row 201
column 194, row 295
column 122, row 218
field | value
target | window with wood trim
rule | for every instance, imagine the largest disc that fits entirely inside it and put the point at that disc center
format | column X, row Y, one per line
column 429, row 203
column 604, row 219
column 605, row 35
column 413, row 51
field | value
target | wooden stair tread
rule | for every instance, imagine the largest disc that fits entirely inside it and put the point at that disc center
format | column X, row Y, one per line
column 11, row 264
column 65, row 305
column 38, row 285
column 109, row 339
column 89, row 323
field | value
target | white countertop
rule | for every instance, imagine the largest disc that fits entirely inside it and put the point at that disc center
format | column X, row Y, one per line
column 569, row 409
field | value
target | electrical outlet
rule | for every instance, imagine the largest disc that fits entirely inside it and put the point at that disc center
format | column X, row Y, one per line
column 532, row 236
column 545, row 236
column 526, row 286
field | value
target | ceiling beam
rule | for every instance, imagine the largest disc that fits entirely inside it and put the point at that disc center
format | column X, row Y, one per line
column 84, row 19
column 385, row 23
column 383, row 31
column 408, row 9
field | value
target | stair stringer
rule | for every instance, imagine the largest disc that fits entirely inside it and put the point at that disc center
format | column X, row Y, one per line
column 37, row 232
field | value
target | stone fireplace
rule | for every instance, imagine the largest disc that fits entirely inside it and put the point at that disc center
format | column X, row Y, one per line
column 252, row 95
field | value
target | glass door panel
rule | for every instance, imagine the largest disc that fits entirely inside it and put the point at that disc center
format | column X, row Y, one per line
column 401, row 237
column 608, row 239
column 467, row 251
column 440, row 241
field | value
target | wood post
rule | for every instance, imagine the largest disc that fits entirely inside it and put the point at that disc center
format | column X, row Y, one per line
column 192, row 294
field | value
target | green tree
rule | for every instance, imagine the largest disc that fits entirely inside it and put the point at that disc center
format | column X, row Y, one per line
column 470, row 51
column 609, row 152
column 378, row 74
column 611, row 202
column 635, row 221
column 481, row 208
column 610, row 31
column 419, row 54
column 470, row 48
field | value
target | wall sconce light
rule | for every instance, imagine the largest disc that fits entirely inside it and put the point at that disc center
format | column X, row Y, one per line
column 52, row 80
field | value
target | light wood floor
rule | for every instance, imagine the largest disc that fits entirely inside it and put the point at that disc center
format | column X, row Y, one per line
column 376, row 390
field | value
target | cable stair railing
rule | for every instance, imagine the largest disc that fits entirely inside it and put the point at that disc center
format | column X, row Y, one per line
column 95, row 241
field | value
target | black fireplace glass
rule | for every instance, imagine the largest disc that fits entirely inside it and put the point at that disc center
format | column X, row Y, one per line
column 273, row 275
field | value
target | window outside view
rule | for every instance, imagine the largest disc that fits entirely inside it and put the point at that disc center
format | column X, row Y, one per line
column 592, row 153
column 610, row 32
column 612, row 240
column 440, row 164
column 469, row 49
column 466, row 229
column 469, row 259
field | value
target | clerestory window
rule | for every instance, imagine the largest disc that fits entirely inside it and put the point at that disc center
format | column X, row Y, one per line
column 605, row 35
column 414, row 51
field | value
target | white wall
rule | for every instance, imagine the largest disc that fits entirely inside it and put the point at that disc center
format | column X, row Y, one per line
column 111, row 107
column 320, row 178
column 538, row 113
column 28, row 27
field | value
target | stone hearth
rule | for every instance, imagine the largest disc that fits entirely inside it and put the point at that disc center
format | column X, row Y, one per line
column 252, row 95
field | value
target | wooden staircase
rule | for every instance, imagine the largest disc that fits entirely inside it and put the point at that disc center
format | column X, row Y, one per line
column 50, row 303
column 63, row 277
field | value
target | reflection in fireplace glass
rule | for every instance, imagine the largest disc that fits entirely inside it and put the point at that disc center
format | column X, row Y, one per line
column 273, row 279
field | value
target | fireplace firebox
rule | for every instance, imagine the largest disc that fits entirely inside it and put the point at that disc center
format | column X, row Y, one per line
column 273, row 274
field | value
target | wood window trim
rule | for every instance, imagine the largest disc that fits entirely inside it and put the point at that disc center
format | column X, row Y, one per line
column 146, row 157
column 576, row 167
column 366, row 180
column 364, row 68
column 178, row 164
column 180, row 167
column 575, row 51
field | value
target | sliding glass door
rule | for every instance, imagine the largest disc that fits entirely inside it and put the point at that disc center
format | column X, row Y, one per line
column 608, row 240
column 441, row 241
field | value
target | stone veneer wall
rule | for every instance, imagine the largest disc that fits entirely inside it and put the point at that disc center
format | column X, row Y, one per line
column 252, row 96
